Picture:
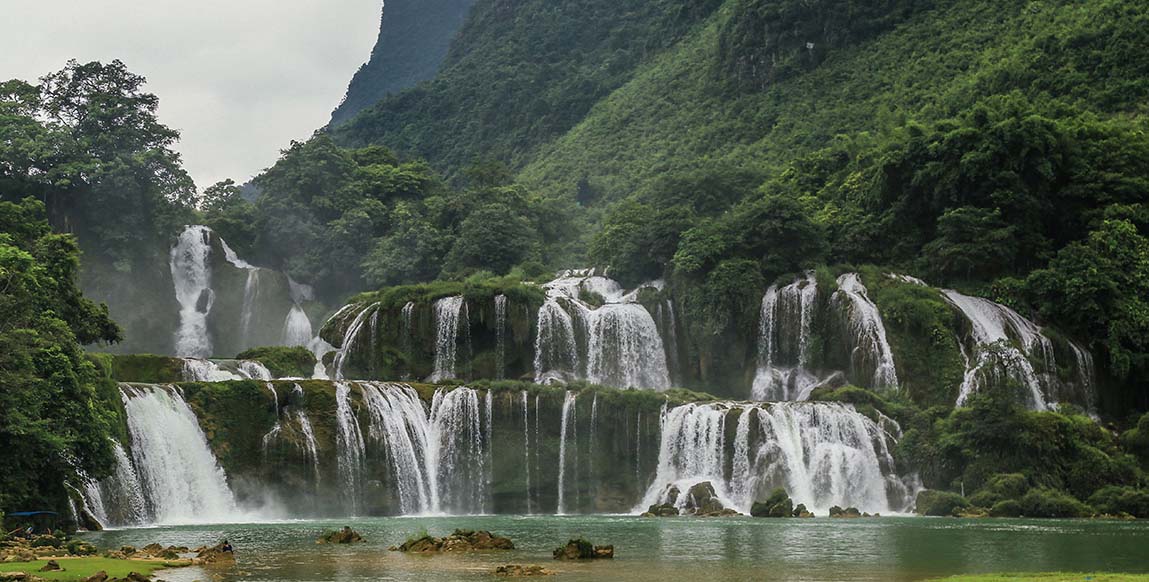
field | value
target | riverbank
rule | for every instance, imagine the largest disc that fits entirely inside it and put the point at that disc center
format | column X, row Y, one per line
column 80, row 568
column 1048, row 577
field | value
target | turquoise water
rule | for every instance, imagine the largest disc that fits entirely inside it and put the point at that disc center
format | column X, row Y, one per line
column 742, row 548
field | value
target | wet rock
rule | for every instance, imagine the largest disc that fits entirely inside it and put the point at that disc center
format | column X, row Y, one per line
column 702, row 499
column 462, row 540
column 663, row 510
column 520, row 570
column 51, row 566
column 801, row 511
column 848, row 513
column 214, row 555
column 581, row 549
column 89, row 521
column 343, row 536
column 778, row 504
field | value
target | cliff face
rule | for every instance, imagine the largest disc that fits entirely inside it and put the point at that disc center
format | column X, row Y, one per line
column 413, row 39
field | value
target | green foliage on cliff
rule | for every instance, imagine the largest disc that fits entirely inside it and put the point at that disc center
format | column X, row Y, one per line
column 53, row 421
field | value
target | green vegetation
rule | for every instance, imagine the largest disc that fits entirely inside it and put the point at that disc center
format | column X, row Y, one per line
column 75, row 569
column 53, row 421
column 1049, row 577
column 282, row 361
column 145, row 368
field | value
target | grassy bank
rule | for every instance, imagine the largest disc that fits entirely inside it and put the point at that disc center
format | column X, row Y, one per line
column 1050, row 577
column 80, row 568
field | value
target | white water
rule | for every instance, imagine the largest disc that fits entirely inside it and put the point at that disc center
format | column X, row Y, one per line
column 250, row 301
column 622, row 345
column 526, row 450
column 823, row 454
column 181, row 479
column 310, row 446
column 119, row 499
column 449, row 312
column 500, row 336
column 199, row 370
column 568, row 412
column 870, row 350
column 350, row 447
column 350, row 337
column 996, row 355
column 192, row 280
column 297, row 328
column 784, row 327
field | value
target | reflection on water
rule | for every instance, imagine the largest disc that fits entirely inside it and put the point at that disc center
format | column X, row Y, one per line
column 658, row 550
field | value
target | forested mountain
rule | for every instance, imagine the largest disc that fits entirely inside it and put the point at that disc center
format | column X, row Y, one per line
column 413, row 40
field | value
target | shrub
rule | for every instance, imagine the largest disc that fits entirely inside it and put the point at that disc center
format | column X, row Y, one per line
column 1046, row 502
column 1005, row 508
column 939, row 503
column 1115, row 499
column 1000, row 487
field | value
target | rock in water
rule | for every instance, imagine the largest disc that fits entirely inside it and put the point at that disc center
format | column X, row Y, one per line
column 778, row 504
column 581, row 549
column 462, row 540
column 518, row 570
column 343, row 536
column 214, row 555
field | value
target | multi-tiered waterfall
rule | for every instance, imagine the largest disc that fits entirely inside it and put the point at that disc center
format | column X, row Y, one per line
column 785, row 325
column 616, row 343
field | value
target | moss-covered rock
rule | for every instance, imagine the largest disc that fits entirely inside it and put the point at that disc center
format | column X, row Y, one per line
column 343, row 536
column 581, row 549
column 143, row 368
column 778, row 504
column 282, row 361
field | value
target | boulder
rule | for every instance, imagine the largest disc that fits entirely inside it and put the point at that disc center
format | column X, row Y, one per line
column 801, row 511
column 702, row 499
column 849, row 512
column 581, row 549
column 214, row 555
column 100, row 576
column 520, row 570
column 343, row 536
column 778, row 504
column 80, row 548
column 461, row 540
column 51, row 566
column 663, row 510
column 14, row 576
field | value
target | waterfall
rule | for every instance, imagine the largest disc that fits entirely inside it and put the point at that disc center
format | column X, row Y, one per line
column 198, row 370
column 180, row 476
column 459, row 450
column 823, row 454
column 527, row 449
column 448, row 313
column 118, row 500
column 500, row 336
column 399, row 424
column 671, row 325
column 623, row 346
column 869, row 348
column 995, row 354
column 250, row 301
column 568, row 413
column 556, row 351
column 538, row 447
column 297, row 328
column 784, row 328
column 350, row 446
column 310, row 446
column 192, row 280
column 350, row 337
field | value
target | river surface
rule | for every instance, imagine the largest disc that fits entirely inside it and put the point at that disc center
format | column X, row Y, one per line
column 666, row 549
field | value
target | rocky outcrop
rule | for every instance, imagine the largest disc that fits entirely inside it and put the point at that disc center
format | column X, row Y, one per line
column 462, row 540
column 217, row 554
column 51, row 566
column 581, row 549
column 343, row 536
column 520, row 570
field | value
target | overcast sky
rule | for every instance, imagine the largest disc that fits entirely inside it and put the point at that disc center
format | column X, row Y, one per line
column 238, row 78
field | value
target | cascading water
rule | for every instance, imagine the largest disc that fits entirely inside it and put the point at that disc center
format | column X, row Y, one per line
column 181, row 479
column 996, row 356
column 197, row 370
column 192, row 281
column 350, row 447
column 250, row 301
column 823, row 454
column 297, row 328
column 399, row 424
column 451, row 319
column 458, row 450
column 784, row 330
column 526, row 449
column 309, row 445
column 869, row 348
column 350, row 337
column 119, row 499
column 564, row 427
column 500, row 336
column 623, row 346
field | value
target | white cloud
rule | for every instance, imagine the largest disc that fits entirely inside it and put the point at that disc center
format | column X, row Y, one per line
column 239, row 78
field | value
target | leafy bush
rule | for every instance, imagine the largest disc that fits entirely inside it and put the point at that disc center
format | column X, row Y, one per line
column 1005, row 508
column 939, row 503
column 1115, row 499
column 1046, row 502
